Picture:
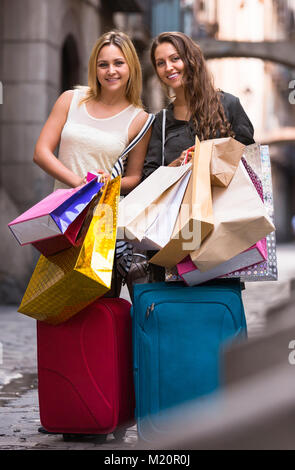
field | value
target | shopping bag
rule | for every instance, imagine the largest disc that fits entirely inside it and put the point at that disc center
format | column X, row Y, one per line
column 148, row 213
column 154, row 226
column 192, row 276
column 52, row 216
column 258, row 158
column 240, row 220
column 226, row 155
column 63, row 284
column 195, row 218
column 73, row 236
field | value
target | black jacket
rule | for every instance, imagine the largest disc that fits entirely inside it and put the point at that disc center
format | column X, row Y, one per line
column 180, row 135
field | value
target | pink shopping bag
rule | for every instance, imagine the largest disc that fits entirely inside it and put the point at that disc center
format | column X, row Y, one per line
column 54, row 223
column 253, row 255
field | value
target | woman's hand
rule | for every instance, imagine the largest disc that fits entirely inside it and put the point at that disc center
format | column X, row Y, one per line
column 185, row 157
column 105, row 177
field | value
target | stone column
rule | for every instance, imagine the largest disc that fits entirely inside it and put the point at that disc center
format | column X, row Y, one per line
column 32, row 34
column 25, row 54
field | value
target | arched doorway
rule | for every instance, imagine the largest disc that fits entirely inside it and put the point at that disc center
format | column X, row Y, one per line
column 70, row 64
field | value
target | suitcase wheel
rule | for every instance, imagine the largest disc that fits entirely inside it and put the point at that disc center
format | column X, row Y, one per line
column 119, row 433
column 99, row 438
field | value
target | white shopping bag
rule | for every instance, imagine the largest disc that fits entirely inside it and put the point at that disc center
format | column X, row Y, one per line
column 147, row 215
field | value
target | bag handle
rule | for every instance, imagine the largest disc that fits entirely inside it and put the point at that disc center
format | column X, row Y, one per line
column 163, row 135
column 140, row 135
column 186, row 155
column 118, row 168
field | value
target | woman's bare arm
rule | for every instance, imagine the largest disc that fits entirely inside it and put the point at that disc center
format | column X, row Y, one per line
column 49, row 139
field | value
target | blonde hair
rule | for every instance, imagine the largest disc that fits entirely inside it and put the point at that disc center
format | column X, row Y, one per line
column 134, row 84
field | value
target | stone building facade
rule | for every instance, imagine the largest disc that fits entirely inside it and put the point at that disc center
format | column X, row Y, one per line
column 259, row 80
column 44, row 49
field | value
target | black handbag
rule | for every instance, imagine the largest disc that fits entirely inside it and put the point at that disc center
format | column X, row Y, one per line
column 139, row 272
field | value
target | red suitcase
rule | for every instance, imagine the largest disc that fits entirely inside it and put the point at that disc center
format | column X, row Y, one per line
column 85, row 377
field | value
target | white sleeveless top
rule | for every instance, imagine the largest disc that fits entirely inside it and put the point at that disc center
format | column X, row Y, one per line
column 90, row 144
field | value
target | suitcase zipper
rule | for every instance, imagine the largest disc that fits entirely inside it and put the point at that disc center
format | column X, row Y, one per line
column 180, row 287
column 149, row 310
column 151, row 307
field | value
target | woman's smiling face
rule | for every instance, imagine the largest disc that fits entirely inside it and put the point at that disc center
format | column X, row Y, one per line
column 112, row 68
column 170, row 67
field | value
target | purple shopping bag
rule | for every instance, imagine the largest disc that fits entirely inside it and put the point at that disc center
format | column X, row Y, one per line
column 53, row 216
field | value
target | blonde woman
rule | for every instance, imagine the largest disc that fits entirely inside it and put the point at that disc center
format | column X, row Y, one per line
column 94, row 124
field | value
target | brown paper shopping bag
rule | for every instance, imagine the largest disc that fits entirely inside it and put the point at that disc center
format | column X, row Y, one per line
column 65, row 283
column 226, row 155
column 195, row 219
column 240, row 220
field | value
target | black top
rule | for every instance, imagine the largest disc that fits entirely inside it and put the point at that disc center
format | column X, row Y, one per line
column 180, row 135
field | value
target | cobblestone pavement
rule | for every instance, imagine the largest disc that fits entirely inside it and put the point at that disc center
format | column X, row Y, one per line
column 19, row 414
column 258, row 297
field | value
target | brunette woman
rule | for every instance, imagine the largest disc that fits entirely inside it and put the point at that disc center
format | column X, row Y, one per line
column 196, row 107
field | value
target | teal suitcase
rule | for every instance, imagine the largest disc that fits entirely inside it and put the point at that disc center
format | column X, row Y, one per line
column 178, row 336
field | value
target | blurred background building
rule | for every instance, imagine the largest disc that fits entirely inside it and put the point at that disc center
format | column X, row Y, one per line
column 44, row 50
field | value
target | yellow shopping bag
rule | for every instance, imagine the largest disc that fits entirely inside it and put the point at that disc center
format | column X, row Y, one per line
column 63, row 284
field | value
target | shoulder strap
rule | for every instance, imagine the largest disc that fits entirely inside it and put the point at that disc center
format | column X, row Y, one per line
column 140, row 135
column 119, row 166
column 163, row 136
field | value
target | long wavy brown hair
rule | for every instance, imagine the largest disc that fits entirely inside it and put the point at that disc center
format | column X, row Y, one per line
column 202, row 98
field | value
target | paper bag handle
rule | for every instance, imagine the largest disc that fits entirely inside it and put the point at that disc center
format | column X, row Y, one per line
column 195, row 148
column 163, row 136
column 184, row 161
